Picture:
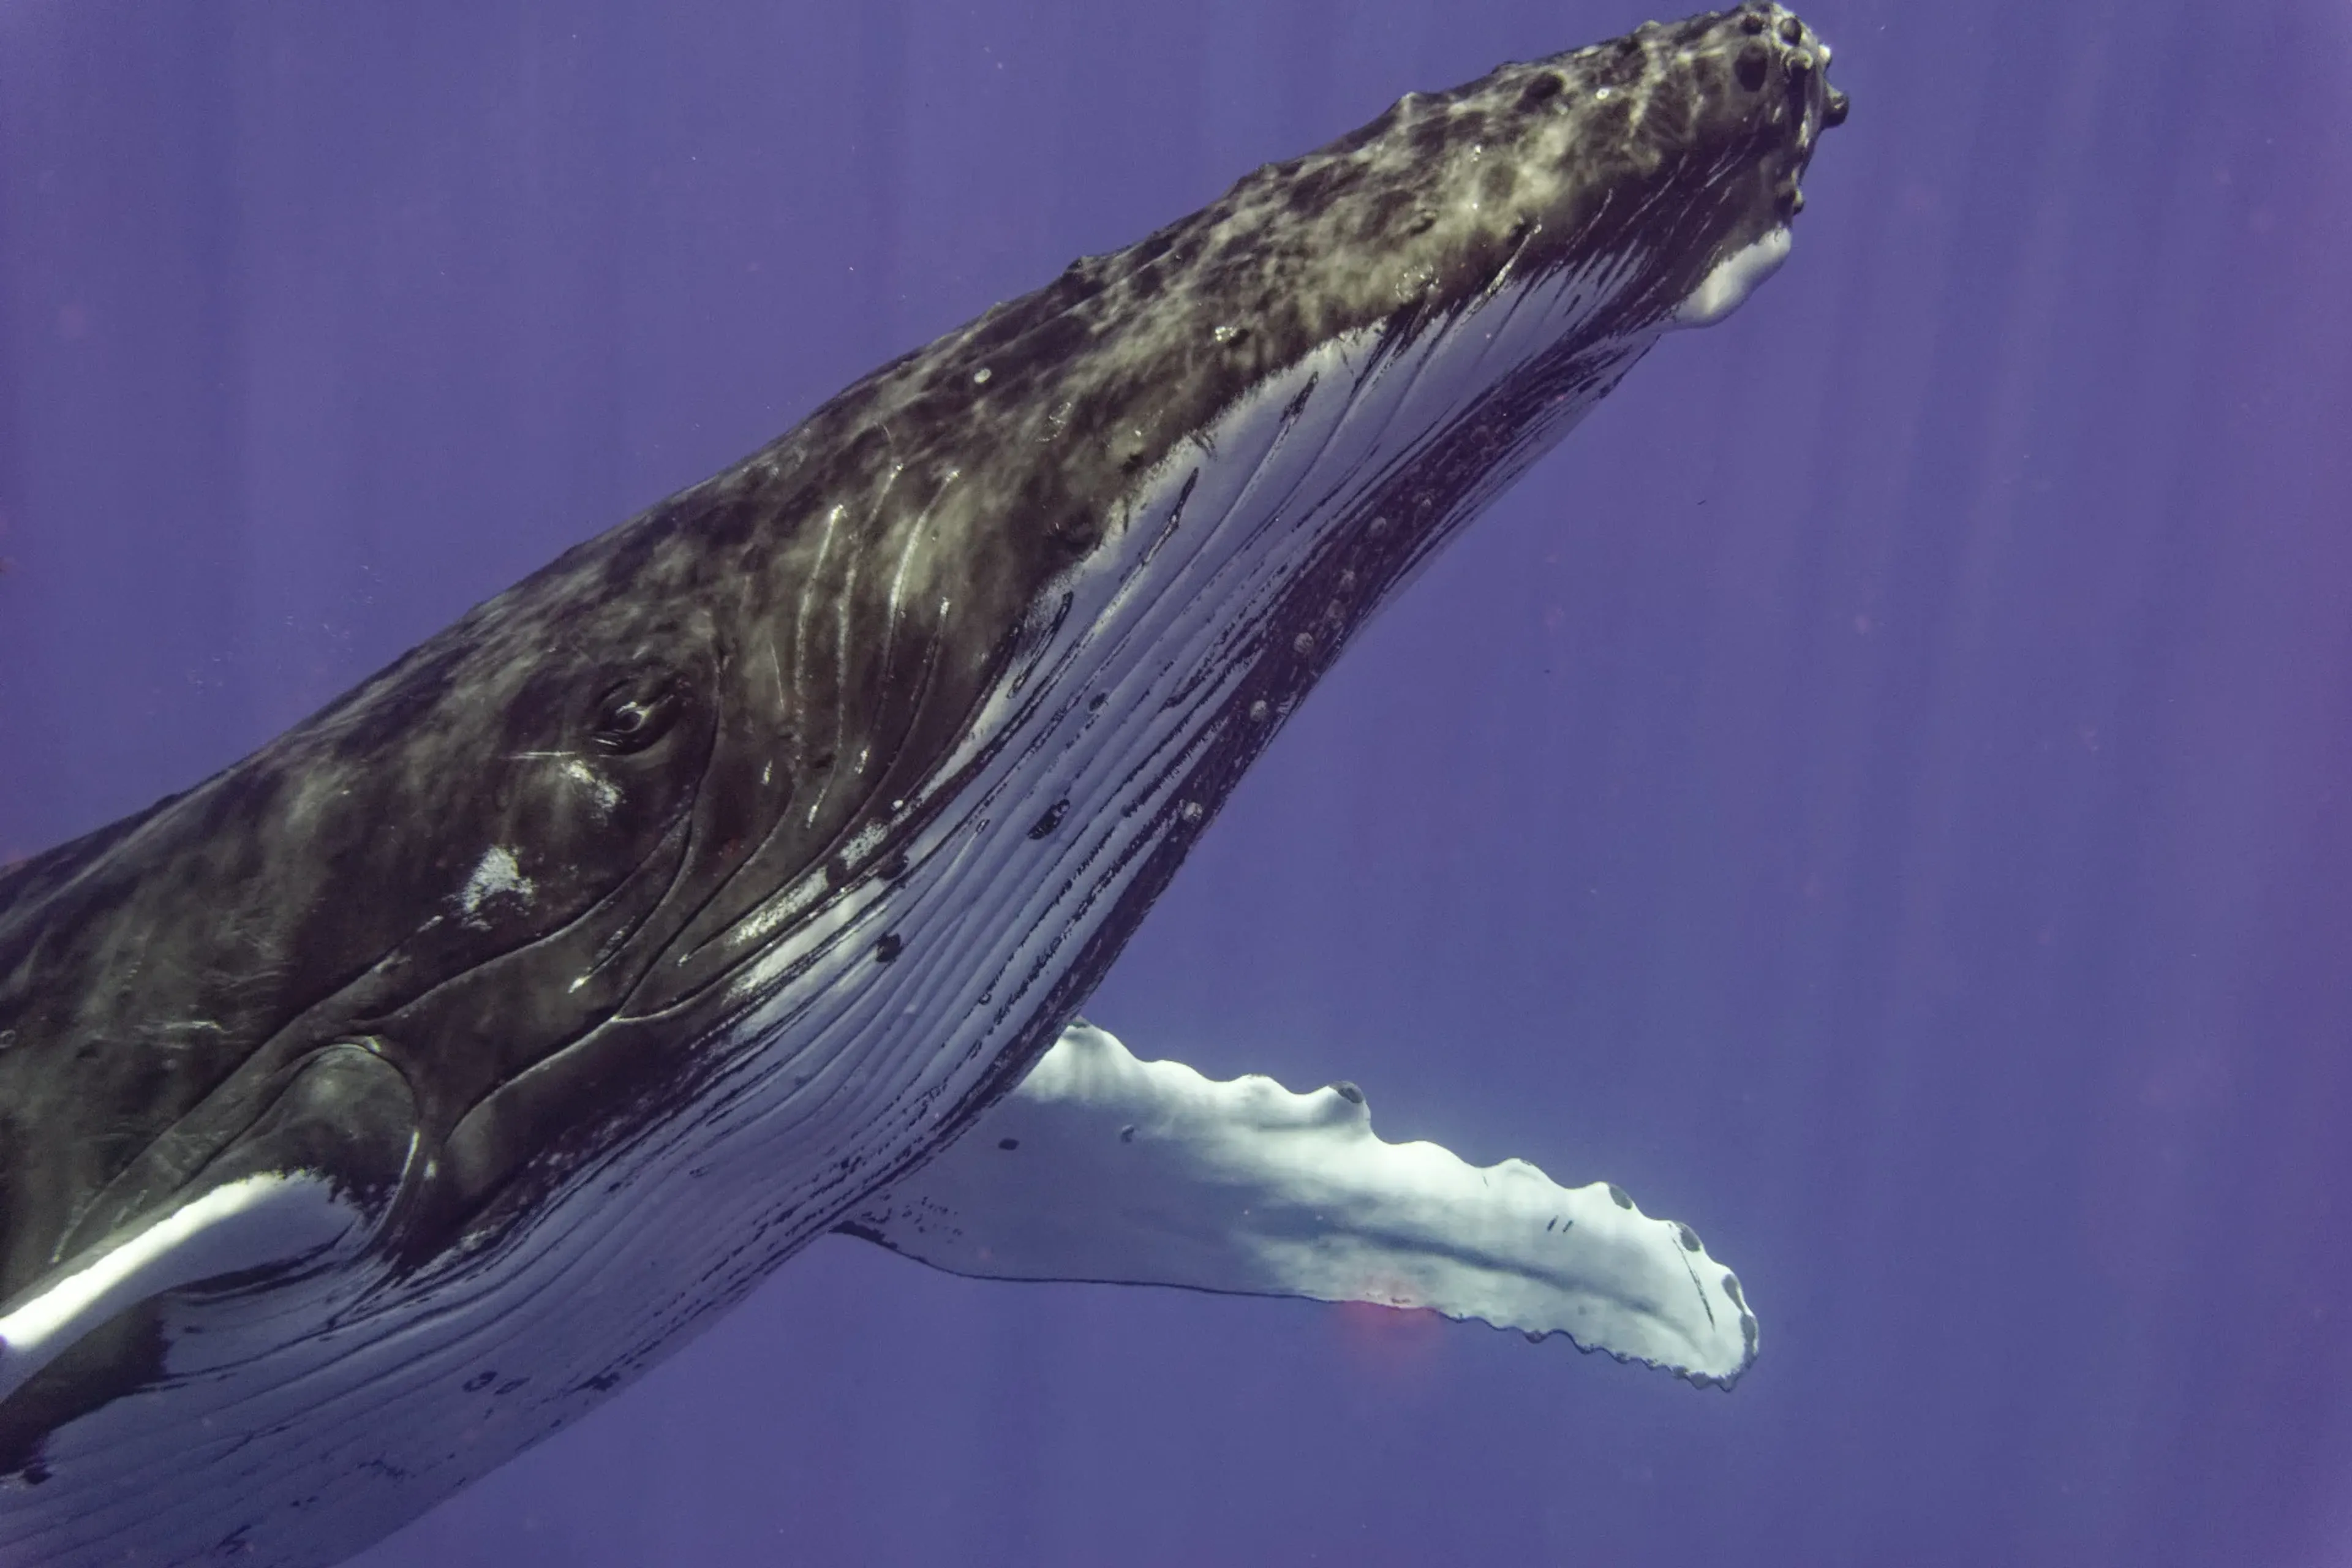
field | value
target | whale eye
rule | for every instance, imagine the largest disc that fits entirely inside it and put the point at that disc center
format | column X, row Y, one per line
column 633, row 714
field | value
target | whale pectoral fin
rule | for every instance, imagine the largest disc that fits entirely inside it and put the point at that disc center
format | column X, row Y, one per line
column 310, row 1179
column 1102, row 1167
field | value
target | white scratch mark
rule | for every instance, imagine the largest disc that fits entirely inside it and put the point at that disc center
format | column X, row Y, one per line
column 497, row 875
column 607, row 793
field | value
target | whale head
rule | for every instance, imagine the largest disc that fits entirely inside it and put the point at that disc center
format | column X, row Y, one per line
column 643, row 920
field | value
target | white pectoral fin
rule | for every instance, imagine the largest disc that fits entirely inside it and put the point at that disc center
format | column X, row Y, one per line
column 263, row 1221
column 266, row 1205
column 1102, row 1167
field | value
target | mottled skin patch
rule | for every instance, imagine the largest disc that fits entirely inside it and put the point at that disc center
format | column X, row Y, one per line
column 763, row 679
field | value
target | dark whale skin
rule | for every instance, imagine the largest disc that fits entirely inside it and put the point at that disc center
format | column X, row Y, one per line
column 512, row 905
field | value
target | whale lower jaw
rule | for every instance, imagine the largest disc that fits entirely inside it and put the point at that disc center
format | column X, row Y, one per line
column 896, row 1000
column 1727, row 285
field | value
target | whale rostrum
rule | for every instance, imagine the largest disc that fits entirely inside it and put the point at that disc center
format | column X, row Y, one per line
column 385, row 1101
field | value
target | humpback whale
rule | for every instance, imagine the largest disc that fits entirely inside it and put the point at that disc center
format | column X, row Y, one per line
column 384, row 1102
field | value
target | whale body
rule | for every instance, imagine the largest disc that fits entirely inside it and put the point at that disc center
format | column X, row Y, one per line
column 384, row 1102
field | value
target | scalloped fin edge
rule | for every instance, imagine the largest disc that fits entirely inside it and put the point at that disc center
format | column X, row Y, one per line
column 1098, row 1166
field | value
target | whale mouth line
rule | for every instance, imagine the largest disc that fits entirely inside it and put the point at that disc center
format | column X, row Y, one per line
column 1033, row 599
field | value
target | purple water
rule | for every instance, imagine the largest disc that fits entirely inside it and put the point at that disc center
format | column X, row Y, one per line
column 1882, row 792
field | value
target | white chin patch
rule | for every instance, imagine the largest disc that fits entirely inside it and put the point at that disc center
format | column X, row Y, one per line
column 1735, row 278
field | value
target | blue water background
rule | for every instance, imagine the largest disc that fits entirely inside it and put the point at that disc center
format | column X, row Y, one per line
column 1881, row 793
